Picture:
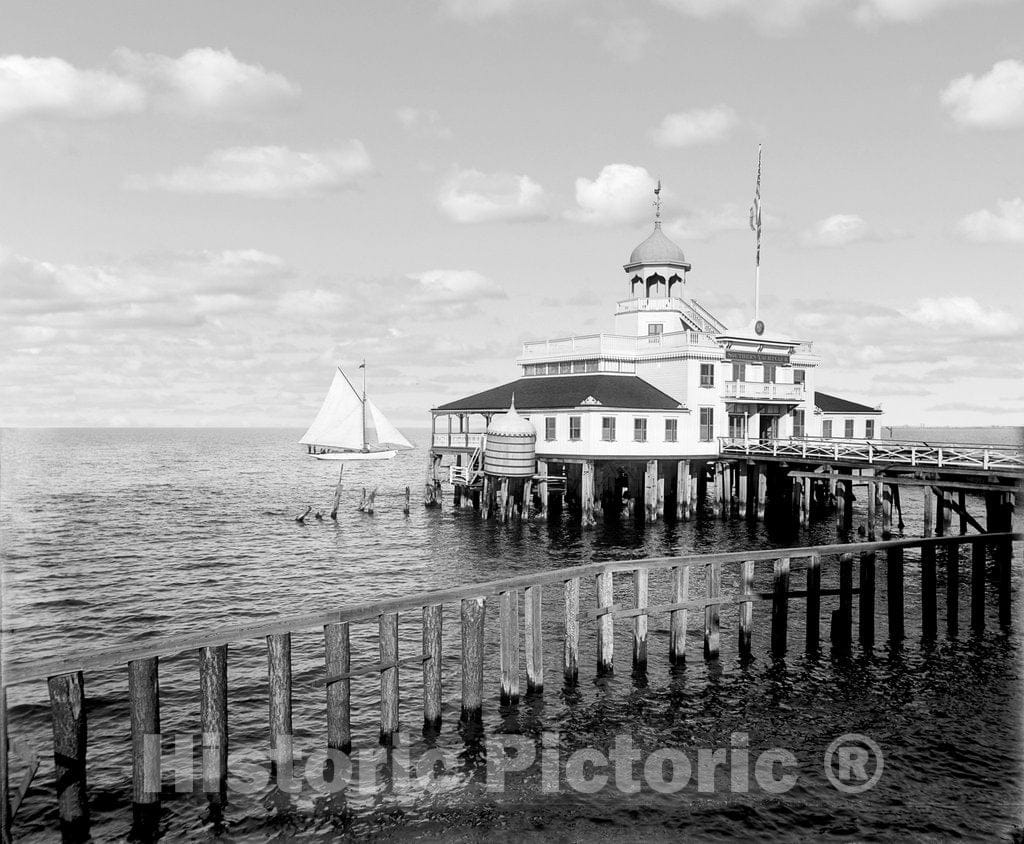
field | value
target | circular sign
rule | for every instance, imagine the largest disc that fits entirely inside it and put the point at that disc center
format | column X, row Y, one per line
column 759, row 327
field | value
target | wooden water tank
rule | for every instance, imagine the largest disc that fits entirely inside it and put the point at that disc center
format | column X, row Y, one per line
column 511, row 447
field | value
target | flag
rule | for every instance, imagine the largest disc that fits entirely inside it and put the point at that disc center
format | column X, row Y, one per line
column 362, row 365
column 755, row 209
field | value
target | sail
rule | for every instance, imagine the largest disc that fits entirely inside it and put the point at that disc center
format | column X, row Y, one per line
column 340, row 420
column 384, row 432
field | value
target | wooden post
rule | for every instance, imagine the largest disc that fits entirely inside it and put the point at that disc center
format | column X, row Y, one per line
column 780, row 607
column 457, row 497
column 651, row 491
column 743, row 492
column 503, row 500
column 746, row 608
column 571, row 652
column 719, row 492
column 508, row 622
column 866, row 604
column 524, row 512
column 848, row 498
column 711, row 632
column 406, row 505
column 279, row 664
column 894, row 593
column 843, row 617
column 1004, row 555
column 534, row 639
column 587, row 494
column 961, row 500
column 813, row 602
column 337, row 494
column 213, row 716
column 696, row 503
column 680, row 586
column 542, row 490
column 726, row 491
column 940, row 513
column 67, row 707
column 683, row 490
column 144, row 703
column 660, row 485
column 929, row 511
column 805, row 512
column 840, row 504
column 928, row 590
column 886, row 511
column 977, row 586
column 640, row 622
column 387, row 625
column 432, row 624
column 472, row 658
column 605, row 623
column 952, row 589
column 872, row 506
column 338, row 663
column 762, row 490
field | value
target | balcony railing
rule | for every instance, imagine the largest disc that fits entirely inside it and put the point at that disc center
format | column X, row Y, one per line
column 760, row 391
column 615, row 344
column 456, row 440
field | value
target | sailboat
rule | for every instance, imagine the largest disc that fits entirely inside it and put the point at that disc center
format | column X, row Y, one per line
column 350, row 426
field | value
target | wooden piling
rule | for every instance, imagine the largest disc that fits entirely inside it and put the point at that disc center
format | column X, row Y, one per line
column 432, row 624
column 605, row 623
column 542, row 490
column 680, row 586
column 805, row 511
column 929, row 510
column 894, row 593
column 534, row 635
column 683, row 507
column 746, row 620
column 952, row 589
column 508, row 622
column 472, row 658
column 887, row 490
column 743, row 492
column 866, row 603
column 872, row 506
column 712, row 636
column 977, row 586
column 719, row 491
column 762, row 490
column 961, row 500
column 843, row 618
column 780, row 607
column 928, row 592
column 571, row 650
column 587, row 494
column 1003, row 523
column 213, row 718
column 67, row 707
column 387, row 626
column 338, row 664
column 813, row 632
column 144, row 705
column 651, row 491
column 279, row 663
column 640, row 622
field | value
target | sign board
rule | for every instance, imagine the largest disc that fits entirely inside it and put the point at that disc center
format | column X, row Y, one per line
column 756, row 357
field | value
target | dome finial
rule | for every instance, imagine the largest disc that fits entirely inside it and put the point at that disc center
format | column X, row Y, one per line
column 657, row 202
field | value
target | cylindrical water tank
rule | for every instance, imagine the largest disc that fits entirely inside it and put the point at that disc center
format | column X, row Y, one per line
column 511, row 448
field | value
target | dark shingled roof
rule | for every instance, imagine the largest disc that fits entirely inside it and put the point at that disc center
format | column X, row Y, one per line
column 545, row 393
column 834, row 404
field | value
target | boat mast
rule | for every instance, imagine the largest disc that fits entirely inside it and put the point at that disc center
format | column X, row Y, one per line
column 362, row 366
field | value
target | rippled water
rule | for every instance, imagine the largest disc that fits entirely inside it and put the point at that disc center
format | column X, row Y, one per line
column 113, row 536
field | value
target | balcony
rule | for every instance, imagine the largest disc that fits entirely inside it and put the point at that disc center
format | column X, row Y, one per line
column 759, row 391
column 614, row 345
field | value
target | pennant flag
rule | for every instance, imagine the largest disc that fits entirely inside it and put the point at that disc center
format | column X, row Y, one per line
column 755, row 209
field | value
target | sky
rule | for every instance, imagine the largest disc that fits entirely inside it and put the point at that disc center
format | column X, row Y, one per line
column 208, row 206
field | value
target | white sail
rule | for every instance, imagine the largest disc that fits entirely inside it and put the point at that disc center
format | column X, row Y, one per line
column 384, row 432
column 339, row 424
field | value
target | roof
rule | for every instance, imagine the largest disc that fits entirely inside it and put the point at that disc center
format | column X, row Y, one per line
column 511, row 424
column 657, row 249
column 834, row 404
column 556, row 391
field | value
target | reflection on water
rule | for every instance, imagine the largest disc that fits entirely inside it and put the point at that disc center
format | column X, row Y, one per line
column 111, row 537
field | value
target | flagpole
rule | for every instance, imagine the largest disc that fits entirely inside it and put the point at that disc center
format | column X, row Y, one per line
column 362, row 366
column 755, row 225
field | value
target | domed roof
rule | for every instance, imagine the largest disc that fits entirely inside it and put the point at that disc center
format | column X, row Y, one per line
column 511, row 423
column 657, row 249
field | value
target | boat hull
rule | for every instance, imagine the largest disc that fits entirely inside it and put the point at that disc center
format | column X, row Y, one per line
column 356, row 455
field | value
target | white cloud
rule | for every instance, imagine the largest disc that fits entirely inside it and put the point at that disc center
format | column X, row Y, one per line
column 455, row 286
column 966, row 314
column 994, row 100
column 271, row 171
column 625, row 38
column 774, row 16
column 621, row 193
column 705, row 224
column 425, row 122
column 470, row 196
column 51, row 87
column 477, row 10
column 1006, row 225
column 202, row 81
column 907, row 11
column 697, row 126
column 843, row 229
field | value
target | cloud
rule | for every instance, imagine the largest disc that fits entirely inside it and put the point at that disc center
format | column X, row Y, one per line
column 772, row 16
column 272, row 171
column 621, row 194
column 455, row 286
column 992, row 101
column 423, row 122
column 201, row 82
column 1004, row 226
column 478, row 10
column 625, row 38
column 907, row 11
column 697, row 126
column 706, row 224
column 470, row 196
column 966, row 315
column 842, row 230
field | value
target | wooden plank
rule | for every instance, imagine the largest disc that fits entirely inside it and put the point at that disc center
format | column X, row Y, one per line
column 144, row 706
column 338, row 663
column 780, row 607
column 279, row 664
column 640, row 622
column 472, row 659
column 388, row 646
column 213, row 719
column 67, row 708
column 571, row 650
column 977, row 586
column 508, row 620
column 952, row 590
column 866, row 604
column 534, row 635
column 928, row 592
column 746, row 608
column 894, row 594
column 712, row 634
column 680, row 591
column 432, row 628
column 813, row 632
column 605, row 624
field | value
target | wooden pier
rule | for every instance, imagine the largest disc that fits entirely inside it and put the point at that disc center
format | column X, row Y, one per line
column 690, row 593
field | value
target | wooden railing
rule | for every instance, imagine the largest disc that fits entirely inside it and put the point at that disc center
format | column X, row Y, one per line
column 65, row 675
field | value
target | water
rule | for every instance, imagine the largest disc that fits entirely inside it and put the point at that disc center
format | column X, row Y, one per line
column 111, row 537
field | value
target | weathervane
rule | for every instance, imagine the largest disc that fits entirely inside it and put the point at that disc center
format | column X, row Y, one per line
column 657, row 201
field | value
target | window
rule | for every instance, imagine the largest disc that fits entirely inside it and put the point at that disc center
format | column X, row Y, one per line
column 608, row 429
column 574, row 428
column 591, row 366
column 769, row 373
column 639, row 430
column 798, row 422
column 655, row 328
column 550, row 428
column 737, row 426
column 565, row 367
column 671, row 430
column 707, row 424
column 869, row 428
column 739, row 372
column 826, row 428
column 798, row 376
column 848, row 429
column 707, row 375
